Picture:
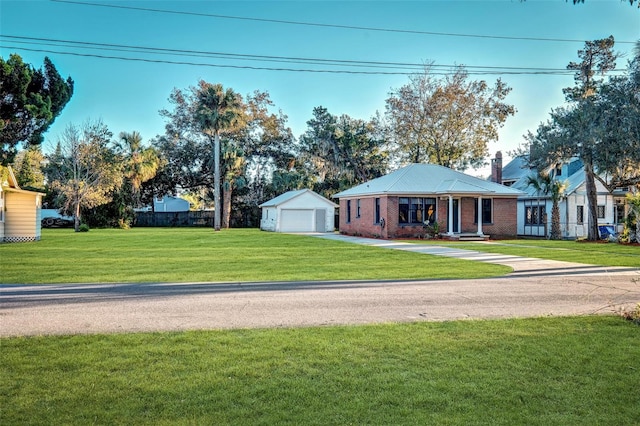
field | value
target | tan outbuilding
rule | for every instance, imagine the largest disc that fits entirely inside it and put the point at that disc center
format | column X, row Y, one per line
column 20, row 210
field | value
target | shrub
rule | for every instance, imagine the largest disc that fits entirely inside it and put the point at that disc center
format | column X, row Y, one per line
column 83, row 228
column 632, row 315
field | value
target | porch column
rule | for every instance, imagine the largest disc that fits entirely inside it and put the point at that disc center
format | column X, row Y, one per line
column 450, row 216
column 480, row 215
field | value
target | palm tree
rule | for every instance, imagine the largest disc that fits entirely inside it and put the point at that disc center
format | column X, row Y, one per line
column 140, row 163
column 546, row 184
column 217, row 110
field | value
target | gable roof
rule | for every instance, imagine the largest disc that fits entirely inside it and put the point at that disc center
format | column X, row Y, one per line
column 290, row 195
column 9, row 183
column 573, row 183
column 416, row 179
column 516, row 169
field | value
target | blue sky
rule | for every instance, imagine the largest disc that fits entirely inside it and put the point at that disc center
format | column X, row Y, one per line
column 127, row 95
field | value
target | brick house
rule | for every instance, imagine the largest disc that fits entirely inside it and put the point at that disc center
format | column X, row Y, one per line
column 399, row 204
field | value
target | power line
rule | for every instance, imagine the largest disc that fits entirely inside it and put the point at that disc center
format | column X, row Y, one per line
column 326, row 71
column 224, row 55
column 438, row 69
column 323, row 25
column 161, row 61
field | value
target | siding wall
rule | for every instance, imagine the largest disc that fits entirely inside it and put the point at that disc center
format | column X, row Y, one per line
column 569, row 226
column 305, row 201
column 22, row 217
column 269, row 219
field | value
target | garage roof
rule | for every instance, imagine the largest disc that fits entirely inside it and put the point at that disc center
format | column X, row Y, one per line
column 288, row 196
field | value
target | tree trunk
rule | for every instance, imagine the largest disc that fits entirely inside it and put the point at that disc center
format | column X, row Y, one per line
column 592, row 198
column 226, row 205
column 555, row 222
column 216, row 181
column 76, row 216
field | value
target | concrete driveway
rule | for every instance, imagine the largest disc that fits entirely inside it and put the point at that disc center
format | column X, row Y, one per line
column 536, row 288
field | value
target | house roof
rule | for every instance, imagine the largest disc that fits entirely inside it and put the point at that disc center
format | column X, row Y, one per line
column 516, row 169
column 9, row 183
column 290, row 195
column 416, row 179
column 574, row 181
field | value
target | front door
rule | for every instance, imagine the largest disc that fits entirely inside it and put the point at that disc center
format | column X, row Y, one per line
column 321, row 220
column 456, row 216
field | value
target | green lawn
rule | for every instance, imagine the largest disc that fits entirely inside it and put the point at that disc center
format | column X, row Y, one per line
column 604, row 254
column 200, row 254
column 545, row 371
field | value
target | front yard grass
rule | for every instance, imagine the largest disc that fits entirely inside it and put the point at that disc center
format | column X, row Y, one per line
column 544, row 371
column 591, row 253
column 200, row 254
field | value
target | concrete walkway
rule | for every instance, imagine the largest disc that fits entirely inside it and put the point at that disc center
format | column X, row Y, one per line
column 522, row 266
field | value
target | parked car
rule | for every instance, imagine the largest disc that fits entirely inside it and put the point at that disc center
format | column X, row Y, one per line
column 56, row 222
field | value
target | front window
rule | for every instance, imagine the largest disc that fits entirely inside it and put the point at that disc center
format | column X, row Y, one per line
column 348, row 211
column 1, row 206
column 533, row 215
column 403, row 210
column 487, row 211
column 619, row 213
column 358, row 207
column 416, row 210
column 377, row 210
column 601, row 211
column 579, row 215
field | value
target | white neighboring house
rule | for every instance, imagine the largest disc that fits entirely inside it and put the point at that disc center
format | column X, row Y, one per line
column 534, row 210
column 169, row 203
column 298, row 211
column 20, row 210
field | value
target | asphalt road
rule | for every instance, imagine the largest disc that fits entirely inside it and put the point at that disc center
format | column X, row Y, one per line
column 535, row 288
column 114, row 308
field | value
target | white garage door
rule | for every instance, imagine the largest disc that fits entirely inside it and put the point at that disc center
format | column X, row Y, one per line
column 293, row 220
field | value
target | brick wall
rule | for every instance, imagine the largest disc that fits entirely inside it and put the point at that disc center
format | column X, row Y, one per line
column 467, row 215
column 505, row 219
column 363, row 225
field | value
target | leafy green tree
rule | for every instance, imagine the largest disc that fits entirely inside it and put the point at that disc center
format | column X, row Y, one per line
column 30, row 101
column 618, row 112
column 339, row 152
column 234, row 178
column 27, row 166
column 89, row 170
column 267, row 144
column 448, row 121
column 140, row 163
column 583, row 129
column 255, row 143
column 217, row 110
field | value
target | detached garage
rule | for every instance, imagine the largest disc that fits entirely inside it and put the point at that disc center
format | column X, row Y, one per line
column 298, row 211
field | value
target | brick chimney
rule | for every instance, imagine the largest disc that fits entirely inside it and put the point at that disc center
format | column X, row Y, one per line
column 496, row 168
